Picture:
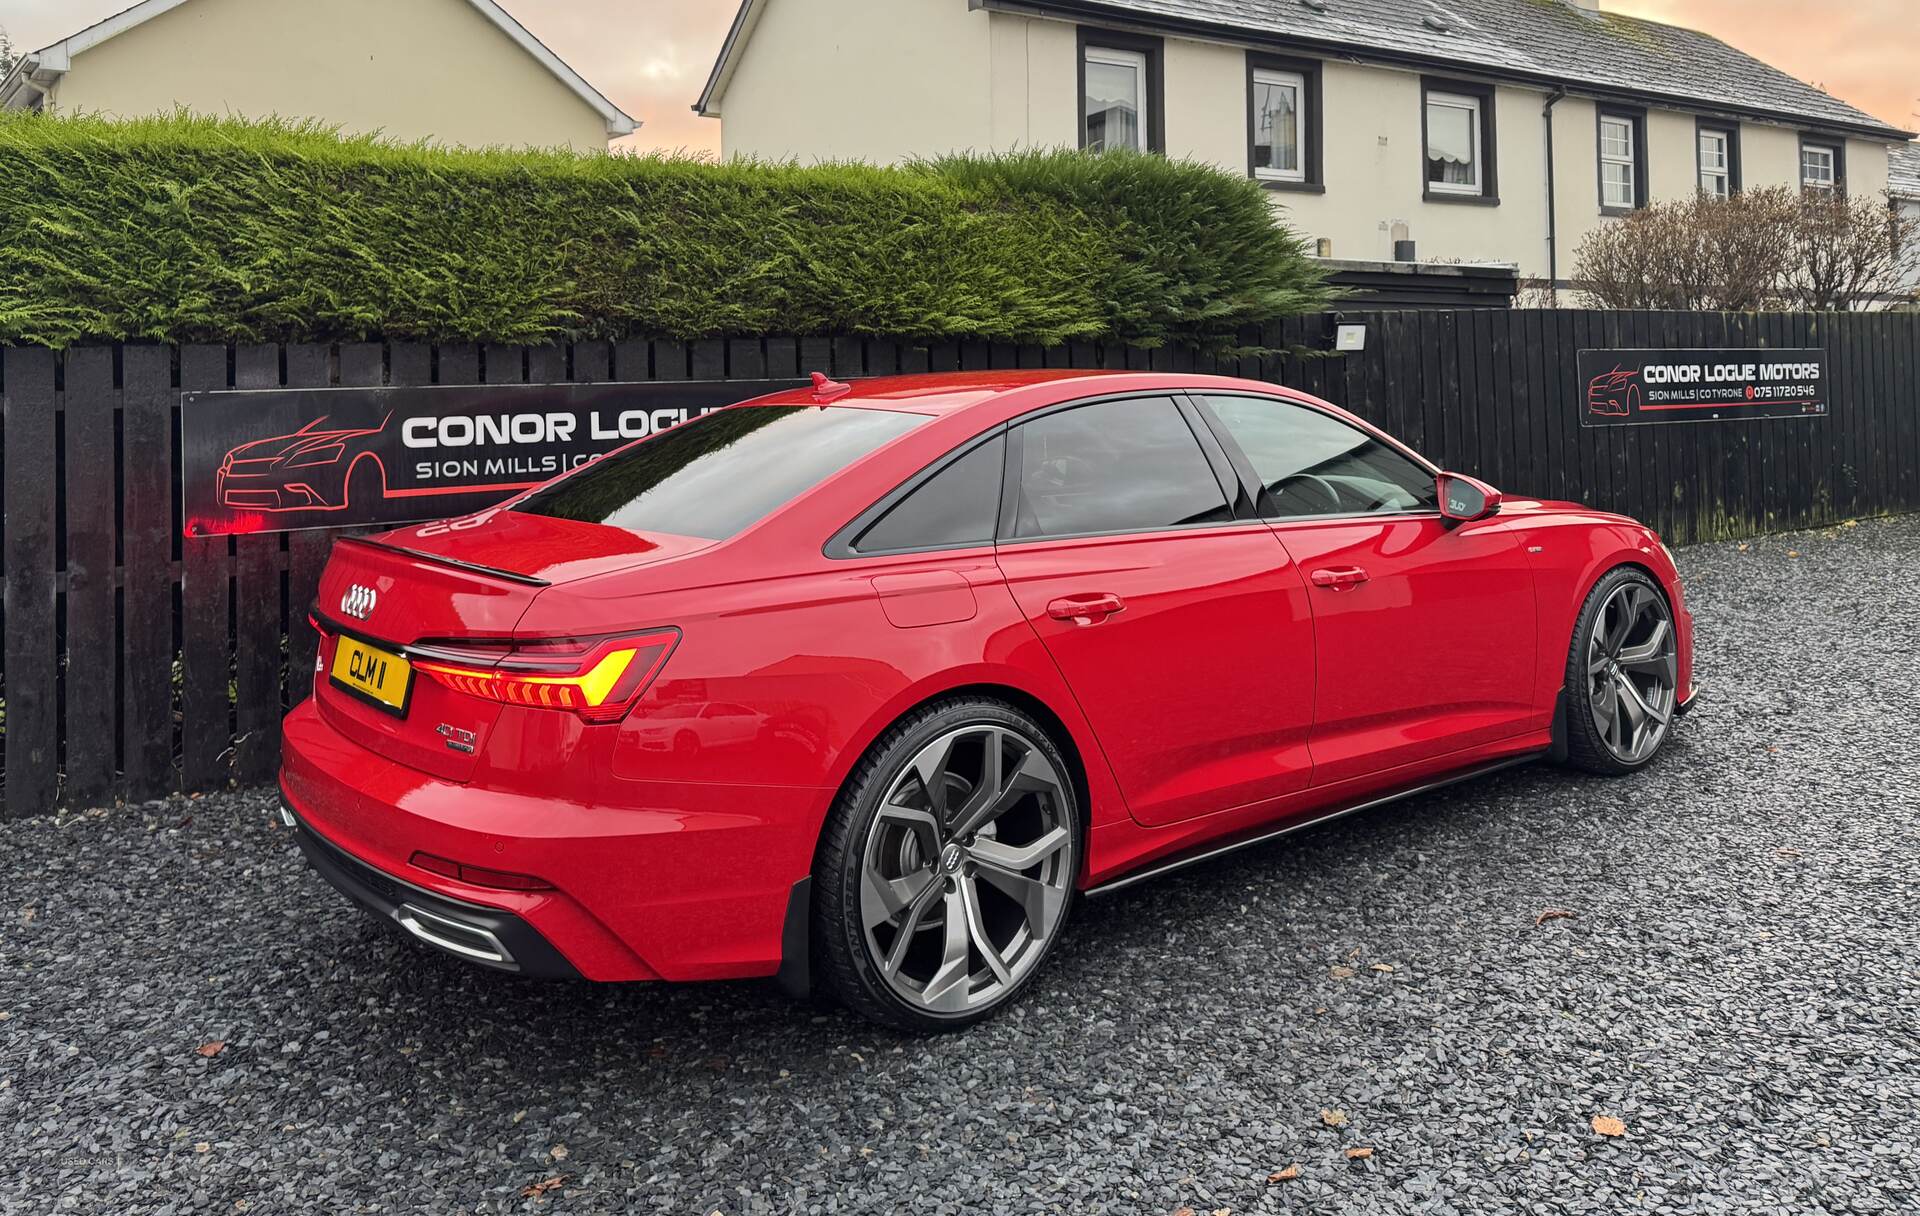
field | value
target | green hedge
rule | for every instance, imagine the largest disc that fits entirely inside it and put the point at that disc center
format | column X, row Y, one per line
column 195, row 229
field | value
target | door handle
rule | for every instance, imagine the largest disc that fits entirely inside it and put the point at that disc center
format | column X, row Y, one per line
column 1340, row 578
column 1085, row 609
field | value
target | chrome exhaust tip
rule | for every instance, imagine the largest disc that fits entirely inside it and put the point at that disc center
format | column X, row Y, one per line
column 286, row 817
column 455, row 937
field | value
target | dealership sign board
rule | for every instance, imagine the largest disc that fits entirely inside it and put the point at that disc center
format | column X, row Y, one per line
column 1636, row 387
column 277, row 460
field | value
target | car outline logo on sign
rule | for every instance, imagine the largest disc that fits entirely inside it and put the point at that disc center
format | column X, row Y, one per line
column 358, row 602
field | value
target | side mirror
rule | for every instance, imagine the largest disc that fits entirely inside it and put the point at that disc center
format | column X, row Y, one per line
column 1464, row 499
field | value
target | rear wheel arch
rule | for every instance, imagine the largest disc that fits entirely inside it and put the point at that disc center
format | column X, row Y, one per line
column 1058, row 733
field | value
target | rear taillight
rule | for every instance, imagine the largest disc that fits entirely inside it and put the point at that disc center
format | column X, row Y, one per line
column 597, row 678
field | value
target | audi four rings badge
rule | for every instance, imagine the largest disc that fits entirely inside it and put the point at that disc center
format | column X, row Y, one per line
column 358, row 602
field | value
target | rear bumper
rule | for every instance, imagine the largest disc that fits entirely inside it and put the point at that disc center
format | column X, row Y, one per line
column 477, row 934
column 651, row 880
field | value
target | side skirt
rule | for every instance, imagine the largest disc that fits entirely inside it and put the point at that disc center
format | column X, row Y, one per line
column 1182, row 861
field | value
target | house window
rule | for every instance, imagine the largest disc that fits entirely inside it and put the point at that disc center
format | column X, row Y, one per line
column 1820, row 168
column 1719, row 162
column 1623, row 164
column 1283, row 122
column 1279, row 149
column 1116, row 100
column 1457, row 162
column 1454, row 146
column 1121, row 99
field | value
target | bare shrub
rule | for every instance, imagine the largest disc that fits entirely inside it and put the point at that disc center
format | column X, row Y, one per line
column 1848, row 252
column 1700, row 254
column 1768, row 248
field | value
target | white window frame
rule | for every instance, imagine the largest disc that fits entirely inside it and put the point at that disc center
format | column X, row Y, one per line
column 1117, row 57
column 1724, row 174
column 1832, row 183
column 1477, row 127
column 1298, row 83
column 1631, row 160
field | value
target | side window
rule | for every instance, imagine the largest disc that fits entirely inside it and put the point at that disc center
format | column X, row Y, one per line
column 1118, row 466
column 957, row 506
column 1312, row 464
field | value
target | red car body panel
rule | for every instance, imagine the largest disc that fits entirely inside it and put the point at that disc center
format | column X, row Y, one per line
column 1230, row 694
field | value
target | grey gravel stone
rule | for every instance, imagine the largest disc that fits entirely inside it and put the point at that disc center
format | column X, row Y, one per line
column 1739, row 985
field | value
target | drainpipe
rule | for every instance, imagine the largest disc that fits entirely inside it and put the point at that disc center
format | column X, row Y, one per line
column 1553, row 230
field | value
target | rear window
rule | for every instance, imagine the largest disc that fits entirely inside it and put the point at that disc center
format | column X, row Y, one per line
column 714, row 475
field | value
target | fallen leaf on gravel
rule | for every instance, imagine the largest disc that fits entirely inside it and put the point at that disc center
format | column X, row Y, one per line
column 1554, row 914
column 1383, row 968
column 1359, row 1154
column 1743, row 548
column 1334, row 1118
column 518, row 1115
column 210, row 1050
column 1608, row 1125
column 540, row 1188
column 1341, row 973
column 1793, row 553
column 1184, row 1212
column 1286, row 1175
column 558, row 1152
column 28, row 913
column 1852, row 523
column 203, row 1147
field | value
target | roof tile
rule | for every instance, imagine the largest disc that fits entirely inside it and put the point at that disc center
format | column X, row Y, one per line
column 1553, row 38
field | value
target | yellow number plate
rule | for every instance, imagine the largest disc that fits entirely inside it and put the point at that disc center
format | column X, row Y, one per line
column 377, row 676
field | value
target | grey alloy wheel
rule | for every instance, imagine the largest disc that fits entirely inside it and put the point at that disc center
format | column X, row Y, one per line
column 967, row 869
column 1632, row 672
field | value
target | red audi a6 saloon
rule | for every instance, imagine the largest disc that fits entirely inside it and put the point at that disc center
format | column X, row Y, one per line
column 861, row 686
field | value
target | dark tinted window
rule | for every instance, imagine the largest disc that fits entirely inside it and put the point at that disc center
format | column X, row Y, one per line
column 716, row 474
column 1120, row 466
column 956, row 506
column 1316, row 465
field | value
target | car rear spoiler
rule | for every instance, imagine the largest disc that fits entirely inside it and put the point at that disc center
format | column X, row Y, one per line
column 511, row 576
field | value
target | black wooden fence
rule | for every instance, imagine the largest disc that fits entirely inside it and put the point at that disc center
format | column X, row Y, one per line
column 139, row 662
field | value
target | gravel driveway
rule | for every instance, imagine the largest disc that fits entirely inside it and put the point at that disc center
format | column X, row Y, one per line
column 1738, row 983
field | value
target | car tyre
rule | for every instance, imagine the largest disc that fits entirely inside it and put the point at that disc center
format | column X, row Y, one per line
column 948, row 867
column 1621, row 692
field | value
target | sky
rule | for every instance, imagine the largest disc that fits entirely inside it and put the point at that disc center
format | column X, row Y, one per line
column 652, row 56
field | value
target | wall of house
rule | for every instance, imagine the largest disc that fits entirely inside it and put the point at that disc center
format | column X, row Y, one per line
column 426, row 69
column 919, row 93
column 874, row 80
column 1866, row 168
column 1036, row 102
column 1375, row 171
column 1909, row 209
